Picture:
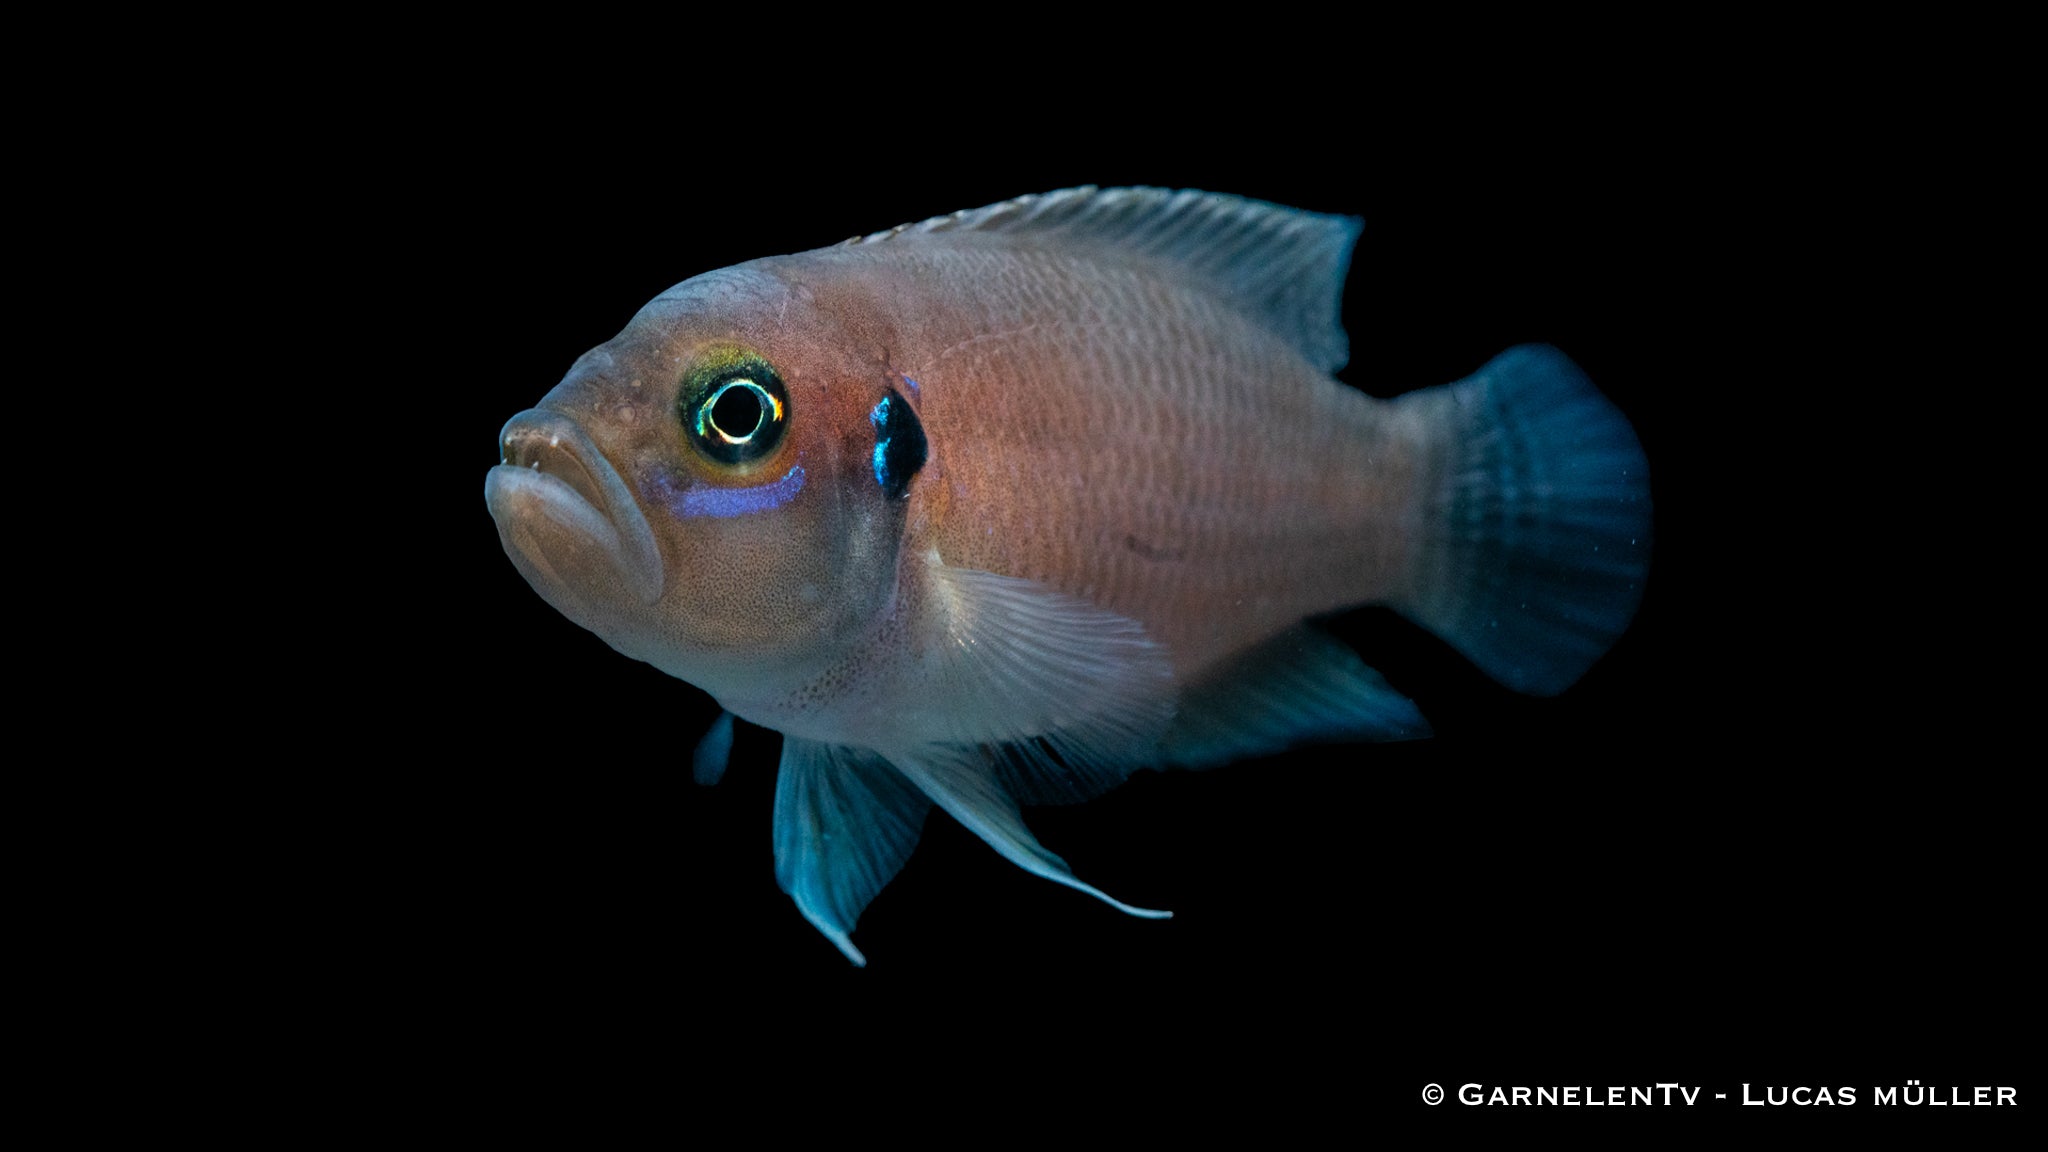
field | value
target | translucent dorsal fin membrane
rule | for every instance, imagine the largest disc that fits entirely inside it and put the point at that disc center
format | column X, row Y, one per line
column 1283, row 266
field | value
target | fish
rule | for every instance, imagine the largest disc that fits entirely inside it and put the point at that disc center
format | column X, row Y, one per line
column 997, row 509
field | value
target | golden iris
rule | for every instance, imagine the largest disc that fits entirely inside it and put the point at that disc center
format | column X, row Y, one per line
column 735, row 408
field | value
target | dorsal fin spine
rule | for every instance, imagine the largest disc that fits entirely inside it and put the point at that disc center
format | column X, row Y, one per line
column 1282, row 266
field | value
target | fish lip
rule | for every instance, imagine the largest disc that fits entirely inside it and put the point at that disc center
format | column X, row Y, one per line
column 546, row 455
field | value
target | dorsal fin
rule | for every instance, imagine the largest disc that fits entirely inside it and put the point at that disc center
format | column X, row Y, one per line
column 1281, row 265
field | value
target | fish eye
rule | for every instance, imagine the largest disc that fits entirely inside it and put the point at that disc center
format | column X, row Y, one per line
column 735, row 410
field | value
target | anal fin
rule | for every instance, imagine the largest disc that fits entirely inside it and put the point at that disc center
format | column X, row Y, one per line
column 1300, row 687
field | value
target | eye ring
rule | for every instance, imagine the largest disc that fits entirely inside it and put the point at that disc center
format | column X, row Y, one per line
column 750, row 409
column 735, row 412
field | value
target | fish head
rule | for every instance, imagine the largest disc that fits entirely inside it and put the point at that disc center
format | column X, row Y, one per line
column 701, row 490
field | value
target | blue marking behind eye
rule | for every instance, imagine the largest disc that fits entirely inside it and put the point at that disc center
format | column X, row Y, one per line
column 880, row 419
column 723, row 503
column 912, row 383
column 899, row 445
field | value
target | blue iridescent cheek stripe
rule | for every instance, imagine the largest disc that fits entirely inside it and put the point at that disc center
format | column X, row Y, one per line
column 913, row 384
column 723, row 503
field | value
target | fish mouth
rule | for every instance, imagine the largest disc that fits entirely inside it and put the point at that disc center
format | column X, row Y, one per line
column 565, row 515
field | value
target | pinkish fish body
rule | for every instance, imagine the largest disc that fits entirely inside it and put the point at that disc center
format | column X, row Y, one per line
column 1000, row 508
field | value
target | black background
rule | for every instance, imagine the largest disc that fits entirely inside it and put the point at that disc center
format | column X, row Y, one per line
column 1711, row 861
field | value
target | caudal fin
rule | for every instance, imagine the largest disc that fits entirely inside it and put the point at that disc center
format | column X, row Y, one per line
column 1538, row 521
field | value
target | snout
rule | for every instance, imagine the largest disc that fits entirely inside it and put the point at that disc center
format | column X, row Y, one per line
column 565, row 515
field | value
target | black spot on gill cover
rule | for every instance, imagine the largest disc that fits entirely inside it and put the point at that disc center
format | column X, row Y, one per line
column 899, row 445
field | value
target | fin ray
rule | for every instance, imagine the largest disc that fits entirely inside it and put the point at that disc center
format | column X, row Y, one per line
column 1282, row 265
column 707, row 763
column 1076, row 697
column 845, row 822
column 1300, row 687
column 964, row 783
column 1541, row 524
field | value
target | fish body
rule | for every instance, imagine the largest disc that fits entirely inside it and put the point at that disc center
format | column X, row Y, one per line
column 996, row 509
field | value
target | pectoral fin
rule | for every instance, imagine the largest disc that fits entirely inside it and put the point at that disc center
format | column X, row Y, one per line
column 1076, row 695
column 845, row 821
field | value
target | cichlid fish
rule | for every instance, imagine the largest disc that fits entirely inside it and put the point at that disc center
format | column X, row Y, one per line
column 996, row 509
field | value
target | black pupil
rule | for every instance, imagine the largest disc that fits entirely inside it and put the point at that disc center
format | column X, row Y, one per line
column 737, row 412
